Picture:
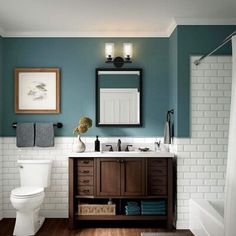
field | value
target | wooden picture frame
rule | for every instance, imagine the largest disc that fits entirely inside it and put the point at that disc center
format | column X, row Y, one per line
column 37, row 90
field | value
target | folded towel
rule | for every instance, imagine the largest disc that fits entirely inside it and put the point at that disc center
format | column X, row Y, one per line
column 155, row 210
column 127, row 211
column 132, row 203
column 153, row 204
column 44, row 135
column 153, row 213
column 132, row 214
column 153, row 207
column 25, row 135
column 132, row 208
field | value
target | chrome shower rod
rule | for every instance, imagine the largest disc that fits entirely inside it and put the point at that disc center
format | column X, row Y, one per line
column 226, row 40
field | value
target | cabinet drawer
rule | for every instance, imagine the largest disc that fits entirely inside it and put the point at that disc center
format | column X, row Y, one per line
column 85, row 180
column 85, row 162
column 85, row 190
column 158, row 190
column 157, row 180
column 155, row 171
column 157, row 162
column 84, row 170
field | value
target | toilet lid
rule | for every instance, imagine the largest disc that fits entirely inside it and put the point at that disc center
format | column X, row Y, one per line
column 26, row 191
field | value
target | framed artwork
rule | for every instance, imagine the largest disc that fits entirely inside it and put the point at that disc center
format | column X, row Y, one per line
column 37, row 90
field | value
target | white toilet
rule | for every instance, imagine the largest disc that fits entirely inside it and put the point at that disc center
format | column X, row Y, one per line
column 34, row 177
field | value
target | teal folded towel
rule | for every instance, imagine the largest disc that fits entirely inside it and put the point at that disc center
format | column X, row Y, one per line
column 154, row 213
column 154, row 210
column 153, row 202
column 132, row 213
column 132, row 203
column 154, row 207
column 132, row 208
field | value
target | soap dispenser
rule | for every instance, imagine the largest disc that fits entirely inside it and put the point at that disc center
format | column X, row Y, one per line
column 97, row 145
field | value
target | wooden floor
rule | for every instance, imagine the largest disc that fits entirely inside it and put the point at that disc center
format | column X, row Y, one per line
column 59, row 227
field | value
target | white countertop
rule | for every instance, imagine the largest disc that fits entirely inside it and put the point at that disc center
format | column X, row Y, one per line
column 122, row 154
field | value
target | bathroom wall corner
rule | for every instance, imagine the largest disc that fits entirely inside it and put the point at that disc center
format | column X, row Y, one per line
column 1, row 145
column 1, row 179
column 173, row 77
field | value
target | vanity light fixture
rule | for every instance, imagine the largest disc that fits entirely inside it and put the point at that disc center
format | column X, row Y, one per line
column 118, row 61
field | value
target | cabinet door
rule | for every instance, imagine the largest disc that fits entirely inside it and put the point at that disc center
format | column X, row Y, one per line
column 133, row 177
column 108, row 177
column 157, row 176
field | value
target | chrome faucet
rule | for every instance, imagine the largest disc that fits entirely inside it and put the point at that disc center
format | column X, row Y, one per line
column 119, row 145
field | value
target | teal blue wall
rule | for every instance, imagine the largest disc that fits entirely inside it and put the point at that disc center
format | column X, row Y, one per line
column 78, row 58
column 194, row 40
column 173, row 77
column 166, row 76
column 1, row 84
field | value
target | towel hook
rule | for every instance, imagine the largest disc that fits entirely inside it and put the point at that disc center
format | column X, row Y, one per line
column 169, row 113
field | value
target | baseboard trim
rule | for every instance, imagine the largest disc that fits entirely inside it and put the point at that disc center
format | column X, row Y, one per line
column 54, row 214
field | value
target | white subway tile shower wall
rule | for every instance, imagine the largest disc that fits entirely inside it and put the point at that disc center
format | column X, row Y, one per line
column 1, row 188
column 201, row 158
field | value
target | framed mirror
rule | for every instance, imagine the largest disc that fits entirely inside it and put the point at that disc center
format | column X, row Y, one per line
column 118, row 97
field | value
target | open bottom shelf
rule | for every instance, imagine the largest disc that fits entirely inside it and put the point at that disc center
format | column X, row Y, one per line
column 120, row 217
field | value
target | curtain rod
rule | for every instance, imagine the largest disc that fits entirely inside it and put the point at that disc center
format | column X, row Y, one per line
column 226, row 40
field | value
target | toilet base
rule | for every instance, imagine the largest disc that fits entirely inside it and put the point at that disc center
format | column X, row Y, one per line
column 27, row 223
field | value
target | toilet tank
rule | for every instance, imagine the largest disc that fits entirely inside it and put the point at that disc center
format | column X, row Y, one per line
column 35, row 173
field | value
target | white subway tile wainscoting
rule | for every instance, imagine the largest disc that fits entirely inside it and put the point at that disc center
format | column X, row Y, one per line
column 201, row 159
column 1, row 187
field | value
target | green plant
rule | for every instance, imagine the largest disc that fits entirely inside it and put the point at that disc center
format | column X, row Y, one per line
column 84, row 124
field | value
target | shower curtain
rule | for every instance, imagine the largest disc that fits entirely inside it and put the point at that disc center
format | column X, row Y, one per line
column 230, row 196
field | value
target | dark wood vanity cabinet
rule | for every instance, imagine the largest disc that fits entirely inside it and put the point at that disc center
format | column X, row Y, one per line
column 108, row 176
column 120, row 177
column 97, row 180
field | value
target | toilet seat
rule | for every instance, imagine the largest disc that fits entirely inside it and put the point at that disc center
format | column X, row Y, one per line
column 26, row 192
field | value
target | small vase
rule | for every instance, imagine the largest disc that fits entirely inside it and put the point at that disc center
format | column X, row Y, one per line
column 78, row 145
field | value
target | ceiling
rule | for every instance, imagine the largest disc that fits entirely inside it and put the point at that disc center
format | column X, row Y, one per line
column 108, row 18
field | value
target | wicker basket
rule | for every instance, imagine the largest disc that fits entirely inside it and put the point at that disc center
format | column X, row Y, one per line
column 96, row 209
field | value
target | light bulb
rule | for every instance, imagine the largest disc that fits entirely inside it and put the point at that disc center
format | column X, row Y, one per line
column 109, row 50
column 128, row 50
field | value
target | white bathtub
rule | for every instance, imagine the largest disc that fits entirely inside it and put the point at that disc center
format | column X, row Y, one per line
column 206, row 217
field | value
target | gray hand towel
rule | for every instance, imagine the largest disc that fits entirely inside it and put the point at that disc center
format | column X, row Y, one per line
column 25, row 135
column 44, row 135
column 167, row 133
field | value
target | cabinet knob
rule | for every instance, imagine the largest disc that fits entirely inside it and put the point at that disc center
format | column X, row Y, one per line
column 85, row 171
column 85, row 181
